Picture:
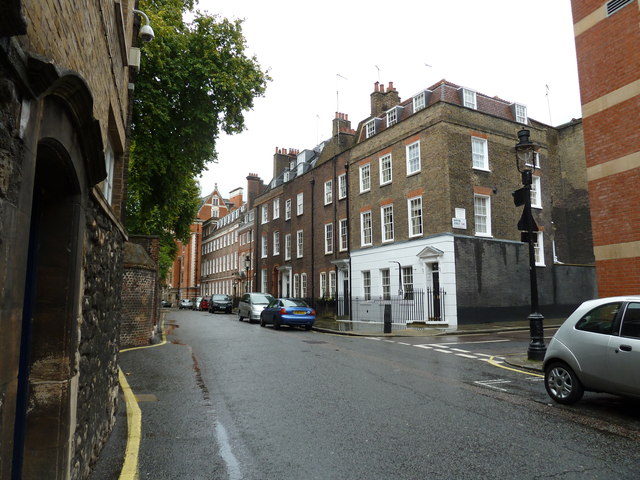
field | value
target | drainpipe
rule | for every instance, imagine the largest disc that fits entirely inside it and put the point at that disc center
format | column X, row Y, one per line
column 313, row 275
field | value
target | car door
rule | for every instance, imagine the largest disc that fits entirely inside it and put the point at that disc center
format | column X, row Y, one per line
column 590, row 345
column 624, row 353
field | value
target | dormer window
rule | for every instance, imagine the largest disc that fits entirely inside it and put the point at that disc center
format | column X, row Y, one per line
column 370, row 128
column 421, row 100
column 469, row 98
column 520, row 112
column 393, row 115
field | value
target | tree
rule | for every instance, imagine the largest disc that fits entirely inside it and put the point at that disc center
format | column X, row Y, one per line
column 195, row 82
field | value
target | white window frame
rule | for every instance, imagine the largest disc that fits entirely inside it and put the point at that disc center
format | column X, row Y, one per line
column 265, row 247
column 415, row 228
column 296, row 284
column 538, row 249
column 287, row 209
column 386, row 223
column 386, row 169
column 276, row 208
column 521, row 113
column 299, row 243
column 265, row 214
column 328, row 238
column 342, row 186
column 408, row 282
column 414, row 164
column 276, row 243
column 109, row 163
column 300, row 204
column 469, row 98
column 365, row 177
column 287, row 246
column 392, row 117
column 486, row 214
column 328, row 192
column 385, row 282
column 366, row 228
column 536, row 192
column 263, row 280
column 480, row 153
column 332, row 284
column 344, row 235
column 370, row 128
column 323, row 284
column 366, row 284
column 303, row 285
column 419, row 102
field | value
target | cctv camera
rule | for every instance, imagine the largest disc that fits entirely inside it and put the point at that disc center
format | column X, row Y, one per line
column 146, row 33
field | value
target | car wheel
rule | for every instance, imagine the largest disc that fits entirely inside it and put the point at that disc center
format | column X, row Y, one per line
column 562, row 383
column 240, row 317
column 262, row 323
column 276, row 324
column 307, row 327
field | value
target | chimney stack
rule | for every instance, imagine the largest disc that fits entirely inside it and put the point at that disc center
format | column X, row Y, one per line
column 381, row 101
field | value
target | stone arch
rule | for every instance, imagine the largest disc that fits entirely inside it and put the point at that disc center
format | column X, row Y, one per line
column 68, row 162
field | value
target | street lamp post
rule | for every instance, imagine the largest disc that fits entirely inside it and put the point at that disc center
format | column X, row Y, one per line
column 525, row 162
column 247, row 264
column 399, row 277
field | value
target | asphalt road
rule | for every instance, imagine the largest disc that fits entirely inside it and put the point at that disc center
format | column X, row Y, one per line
column 229, row 400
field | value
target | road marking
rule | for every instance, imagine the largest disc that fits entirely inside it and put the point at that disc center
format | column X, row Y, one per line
column 460, row 350
column 482, row 341
column 426, row 347
column 441, row 350
column 496, row 364
column 372, row 338
column 134, row 429
column 465, row 355
column 390, row 341
column 493, row 383
column 404, row 343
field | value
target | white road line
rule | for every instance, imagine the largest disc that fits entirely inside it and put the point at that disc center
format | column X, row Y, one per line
column 442, row 351
column 482, row 341
column 489, row 360
column 465, row 355
column 460, row 350
column 427, row 347
column 403, row 343
column 372, row 338
column 492, row 384
column 390, row 341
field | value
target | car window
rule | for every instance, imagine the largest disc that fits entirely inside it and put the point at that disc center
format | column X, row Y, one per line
column 273, row 303
column 631, row 321
column 600, row 319
column 294, row 302
column 260, row 299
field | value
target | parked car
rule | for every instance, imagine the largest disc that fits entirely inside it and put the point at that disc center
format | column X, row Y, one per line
column 596, row 349
column 165, row 304
column 196, row 303
column 288, row 311
column 251, row 305
column 186, row 303
column 220, row 303
column 204, row 304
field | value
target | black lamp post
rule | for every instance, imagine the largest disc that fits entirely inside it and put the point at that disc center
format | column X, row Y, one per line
column 525, row 162
column 400, row 293
column 247, row 264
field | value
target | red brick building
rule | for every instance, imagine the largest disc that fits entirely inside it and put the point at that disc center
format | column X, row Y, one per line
column 607, row 35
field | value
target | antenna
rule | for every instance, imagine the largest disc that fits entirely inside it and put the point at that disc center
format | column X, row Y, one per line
column 378, row 68
column 337, row 91
column 548, row 105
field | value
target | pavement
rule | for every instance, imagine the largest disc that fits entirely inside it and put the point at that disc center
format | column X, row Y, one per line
column 111, row 464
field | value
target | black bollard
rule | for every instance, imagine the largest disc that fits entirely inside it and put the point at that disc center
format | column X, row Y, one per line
column 387, row 318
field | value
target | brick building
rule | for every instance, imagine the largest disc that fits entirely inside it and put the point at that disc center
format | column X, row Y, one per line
column 606, row 36
column 301, row 220
column 432, row 215
column 64, row 110
column 185, row 272
column 228, row 243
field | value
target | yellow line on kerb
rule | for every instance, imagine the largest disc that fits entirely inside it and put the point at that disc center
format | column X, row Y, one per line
column 496, row 364
column 134, row 418
column 134, row 429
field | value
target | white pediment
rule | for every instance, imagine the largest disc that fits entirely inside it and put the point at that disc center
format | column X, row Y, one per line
column 428, row 253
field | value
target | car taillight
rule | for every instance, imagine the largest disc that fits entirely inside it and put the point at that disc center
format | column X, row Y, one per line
column 283, row 311
column 313, row 312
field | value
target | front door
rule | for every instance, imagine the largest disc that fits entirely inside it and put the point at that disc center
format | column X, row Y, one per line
column 435, row 278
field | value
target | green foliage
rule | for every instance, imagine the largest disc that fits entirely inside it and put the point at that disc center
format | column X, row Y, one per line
column 195, row 82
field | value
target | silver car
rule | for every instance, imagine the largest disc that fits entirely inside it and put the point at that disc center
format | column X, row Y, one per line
column 251, row 304
column 596, row 349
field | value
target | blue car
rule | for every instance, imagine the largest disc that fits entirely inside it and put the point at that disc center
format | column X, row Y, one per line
column 288, row 311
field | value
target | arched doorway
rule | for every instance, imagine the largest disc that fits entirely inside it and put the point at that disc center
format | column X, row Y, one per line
column 48, row 372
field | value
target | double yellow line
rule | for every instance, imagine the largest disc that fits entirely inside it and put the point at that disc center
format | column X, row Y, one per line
column 134, row 418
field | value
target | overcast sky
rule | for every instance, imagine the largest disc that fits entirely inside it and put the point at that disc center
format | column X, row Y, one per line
column 326, row 56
